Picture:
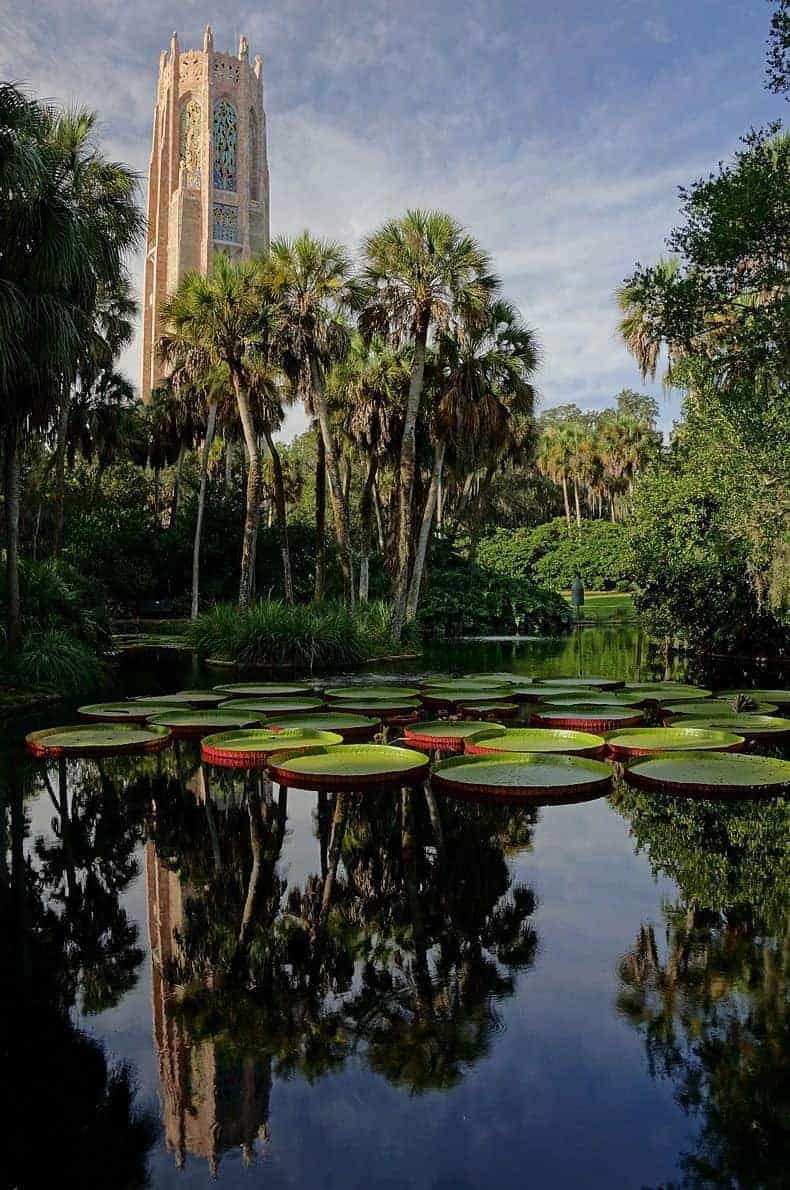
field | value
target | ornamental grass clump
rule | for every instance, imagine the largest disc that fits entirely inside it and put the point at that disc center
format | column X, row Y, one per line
column 305, row 636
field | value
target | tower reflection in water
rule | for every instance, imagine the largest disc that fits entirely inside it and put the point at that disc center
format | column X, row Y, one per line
column 393, row 952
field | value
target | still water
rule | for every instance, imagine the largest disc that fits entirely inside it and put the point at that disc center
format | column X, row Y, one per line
column 590, row 995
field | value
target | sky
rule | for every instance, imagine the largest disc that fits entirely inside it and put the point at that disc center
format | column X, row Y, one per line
column 557, row 131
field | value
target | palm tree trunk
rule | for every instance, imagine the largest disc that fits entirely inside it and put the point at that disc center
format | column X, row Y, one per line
column 60, row 472
column 320, row 517
column 339, row 506
column 177, row 483
column 406, row 468
column 253, row 480
column 228, row 468
column 379, row 517
column 425, row 530
column 565, row 499
column 14, row 609
column 211, row 422
column 282, row 519
column 366, row 530
column 576, row 499
column 339, row 819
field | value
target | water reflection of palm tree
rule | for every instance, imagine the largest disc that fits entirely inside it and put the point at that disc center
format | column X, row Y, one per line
column 389, row 952
column 712, row 1000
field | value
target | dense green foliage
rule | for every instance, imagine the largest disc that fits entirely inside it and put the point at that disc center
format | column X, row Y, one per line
column 315, row 636
column 463, row 598
column 551, row 554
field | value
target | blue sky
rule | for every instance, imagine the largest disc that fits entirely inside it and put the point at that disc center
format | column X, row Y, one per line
column 557, row 131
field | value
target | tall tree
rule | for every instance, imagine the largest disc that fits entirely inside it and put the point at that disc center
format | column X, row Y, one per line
column 420, row 273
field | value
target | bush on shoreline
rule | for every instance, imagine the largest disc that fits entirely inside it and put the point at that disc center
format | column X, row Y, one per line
column 313, row 636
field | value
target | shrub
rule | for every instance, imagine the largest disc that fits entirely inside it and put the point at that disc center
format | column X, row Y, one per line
column 550, row 554
column 462, row 597
column 305, row 636
column 54, row 660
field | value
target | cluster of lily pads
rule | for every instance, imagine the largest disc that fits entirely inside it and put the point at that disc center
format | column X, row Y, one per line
column 311, row 738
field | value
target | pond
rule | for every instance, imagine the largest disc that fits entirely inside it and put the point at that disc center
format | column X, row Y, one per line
column 590, row 994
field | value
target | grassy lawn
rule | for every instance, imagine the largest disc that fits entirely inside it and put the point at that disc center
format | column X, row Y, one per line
column 602, row 606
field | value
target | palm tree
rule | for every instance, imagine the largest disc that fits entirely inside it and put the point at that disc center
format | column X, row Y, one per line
column 420, row 273
column 637, row 329
column 483, row 380
column 307, row 282
column 552, row 460
column 225, row 319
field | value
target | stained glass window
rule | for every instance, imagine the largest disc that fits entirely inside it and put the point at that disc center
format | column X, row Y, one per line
column 225, row 139
column 253, row 154
column 226, row 223
column 189, row 142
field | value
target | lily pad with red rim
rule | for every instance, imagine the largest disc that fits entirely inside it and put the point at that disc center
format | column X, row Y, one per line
column 654, row 692
column 598, row 698
column 97, row 739
column 527, row 774
column 441, row 696
column 382, row 708
column 273, row 706
column 712, row 706
column 768, row 729
column 592, row 683
column 263, row 689
column 537, row 739
column 586, row 717
column 252, row 749
column 349, row 726
column 183, row 698
column 538, row 691
column 121, row 712
column 782, row 697
column 459, row 685
column 645, row 741
column 447, row 735
column 351, row 767
column 489, row 710
column 354, row 693
column 199, row 723
column 710, row 774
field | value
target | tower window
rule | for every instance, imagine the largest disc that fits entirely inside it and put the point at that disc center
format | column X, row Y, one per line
column 225, row 142
column 226, row 223
column 189, row 142
column 253, row 154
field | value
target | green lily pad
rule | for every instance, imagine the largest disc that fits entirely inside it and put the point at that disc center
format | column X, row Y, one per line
column 460, row 685
column 779, row 696
column 183, row 698
column 508, row 710
column 273, row 706
column 639, row 740
column 585, row 683
column 713, row 706
column 448, row 736
column 350, row 767
column 198, row 722
column 538, row 691
column 582, row 714
column 603, row 698
column 443, row 695
column 664, row 691
column 382, row 707
column 537, row 739
column 85, row 739
column 704, row 774
column 750, row 726
column 500, row 678
column 355, row 693
column 527, row 773
column 251, row 749
column 263, row 689
column 121, row 712
column 348, row 726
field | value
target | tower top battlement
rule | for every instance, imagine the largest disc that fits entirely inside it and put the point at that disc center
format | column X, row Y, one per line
column 208, row 178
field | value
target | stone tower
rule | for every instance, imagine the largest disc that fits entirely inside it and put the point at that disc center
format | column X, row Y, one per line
column 208, row 179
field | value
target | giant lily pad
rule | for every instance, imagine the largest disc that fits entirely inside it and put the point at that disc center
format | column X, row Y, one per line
column 122, row 712
column 445, row 735
column 586, row 717
column 653, row 692
column 252, row 749
column 779, row 696
column 97, row 739
column 538, row 691
column 500, row 678
column 537, row 739
column 529, row 774
column 351, row 767
column 443, row 696
column 586, row 683
column 713, row 706
column 707, row 774
column 460, row 685
column 184, row 698
column 383, row 708
column 200, row 723
column 341, row 693
column 348, row 726
column 767, row 729
column 273, row 706
column 643, row 741
column 489, row 710
column 263, row 689
column 590, row 698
